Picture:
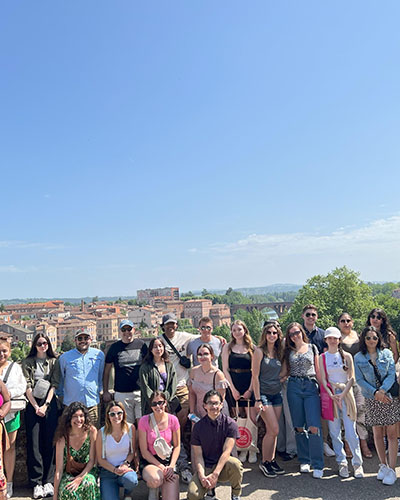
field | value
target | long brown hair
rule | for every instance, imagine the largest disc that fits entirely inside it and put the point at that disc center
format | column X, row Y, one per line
column 246, row 337
column 107, row 421
column 278, row 347
column 290, row 345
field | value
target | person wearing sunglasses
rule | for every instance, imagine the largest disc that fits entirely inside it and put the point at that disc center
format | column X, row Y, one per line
column 116, row 453
column 158, row 464
column 206, row 337
column 41, row 414
column 350, row 343
column 378, row 319
column 375, row 373
column 126, row 355
column 81, row 374
column 301, row 367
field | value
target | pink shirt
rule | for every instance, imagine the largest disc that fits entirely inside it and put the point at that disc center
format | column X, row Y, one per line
column 144, row 425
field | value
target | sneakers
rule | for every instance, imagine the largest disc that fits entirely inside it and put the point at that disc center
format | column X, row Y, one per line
column 243, row 456
column 286, row 457
column 382, row 471
column 304, row 468
column 252, row 457
column 390, row 477
column 9, row 489
column 38, row 491
column 358, row 471
column 318, row 473
column 267, row 469
column 343, row 470
column 328, row 450
column 276, row 468
column 186, row 476
column 210, row 495
column 48, row 490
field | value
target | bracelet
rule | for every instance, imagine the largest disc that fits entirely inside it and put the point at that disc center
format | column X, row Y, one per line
column 258, row 400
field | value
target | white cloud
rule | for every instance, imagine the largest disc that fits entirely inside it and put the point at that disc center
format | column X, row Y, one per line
column 30, row 244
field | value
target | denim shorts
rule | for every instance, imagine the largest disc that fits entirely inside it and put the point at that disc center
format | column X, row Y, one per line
column 271, row 399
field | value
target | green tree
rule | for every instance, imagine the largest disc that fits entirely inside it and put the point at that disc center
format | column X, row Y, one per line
column 95, row 299
column 391, row 306
column 2, row 308
column 254, row 321
column 67, row 344
column 340, row 290
column 20, row 351
column 185, row 325
column 223, row 331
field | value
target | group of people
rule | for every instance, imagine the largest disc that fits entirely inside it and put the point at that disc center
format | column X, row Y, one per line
column 179, row 375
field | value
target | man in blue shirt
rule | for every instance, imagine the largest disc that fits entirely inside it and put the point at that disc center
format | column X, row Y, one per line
column 81, row 374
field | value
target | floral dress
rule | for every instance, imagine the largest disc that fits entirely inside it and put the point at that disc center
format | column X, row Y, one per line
column 88, row 489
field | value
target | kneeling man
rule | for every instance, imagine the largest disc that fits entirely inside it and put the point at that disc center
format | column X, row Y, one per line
column 213, row 439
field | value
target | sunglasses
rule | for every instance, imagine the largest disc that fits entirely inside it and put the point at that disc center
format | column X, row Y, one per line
column 373, row 337
column 311, row 314
column 206, row 328
column 115, row 413
column 375, row 316
column 40, row 344
column 345, row 320
column 272, row 333
column 126, row 329
column 157, row 403
column 213, row 403
column 82, row 338
column 293, row 334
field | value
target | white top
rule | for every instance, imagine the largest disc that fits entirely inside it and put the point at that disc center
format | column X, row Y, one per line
column 334, row 367
column 180, row 341
column 116, row 453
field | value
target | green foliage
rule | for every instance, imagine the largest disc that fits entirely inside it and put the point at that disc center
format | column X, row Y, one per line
column 20, row 351
column 143, row 324
column 67, row 344
column 339, row 291
column 185, row 325
column 2, row 308
column 95, row 299
column 383, row 288
column 223, row 331
column 132, row 302
column 254, row 321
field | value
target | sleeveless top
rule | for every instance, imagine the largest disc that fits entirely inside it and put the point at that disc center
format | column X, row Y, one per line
column 302, row 364
column 269, row 376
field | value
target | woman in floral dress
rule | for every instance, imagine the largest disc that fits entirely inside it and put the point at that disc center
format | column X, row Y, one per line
column 76, row 476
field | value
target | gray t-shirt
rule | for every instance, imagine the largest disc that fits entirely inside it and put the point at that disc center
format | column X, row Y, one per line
column 302, row 364
column 193, row 345
column 269, row 376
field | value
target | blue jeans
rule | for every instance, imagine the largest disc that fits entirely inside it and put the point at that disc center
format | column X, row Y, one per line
column 305, row 410
column 110, row 483
column 335, row 430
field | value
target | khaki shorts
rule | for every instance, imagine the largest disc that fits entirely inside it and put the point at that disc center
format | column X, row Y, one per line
column 182, row 393
column 132, row 404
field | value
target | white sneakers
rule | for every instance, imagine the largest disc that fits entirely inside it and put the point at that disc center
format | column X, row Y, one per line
column 305, row 468
column 358, row 472
column 252, row 457
column 48, row 490
column 242, row 456
column 328, row 452
column 343, row 470
column 390, row 477
column 9, row 489
column 318, row 473
column 38, row 491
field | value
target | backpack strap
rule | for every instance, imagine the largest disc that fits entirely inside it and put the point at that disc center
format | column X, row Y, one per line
column 8, row 372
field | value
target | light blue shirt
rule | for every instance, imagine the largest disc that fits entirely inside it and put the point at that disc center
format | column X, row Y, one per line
column 81, row 376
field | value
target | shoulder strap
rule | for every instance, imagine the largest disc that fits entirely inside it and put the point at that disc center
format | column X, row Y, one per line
column 326, row 371
column 130, row 437
column 215, row 374
column 103, row 441
column 155, row 426
column 171, row 345
column 8, row 372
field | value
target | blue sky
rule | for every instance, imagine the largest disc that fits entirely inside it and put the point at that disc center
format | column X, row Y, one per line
column 196, row 144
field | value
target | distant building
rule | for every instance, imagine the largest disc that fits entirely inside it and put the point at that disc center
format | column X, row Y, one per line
column 107, row 327
column 172, row 306
column 71, row 326
column 151, row 294
column 18, row 333
column 34, row 309
column 396, row 293
column 220, row 315
column 145, row 316
column 196, row 309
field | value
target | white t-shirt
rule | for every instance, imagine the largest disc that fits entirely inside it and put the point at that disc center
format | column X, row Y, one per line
column 180, row 341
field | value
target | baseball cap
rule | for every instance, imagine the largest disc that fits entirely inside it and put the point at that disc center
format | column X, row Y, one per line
column 169, row 318
column 83, row 331
column 332, row 331
column 125, row 322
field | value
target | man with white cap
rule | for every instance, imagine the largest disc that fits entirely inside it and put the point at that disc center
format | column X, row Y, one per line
column 126, row 355
column 81, row 374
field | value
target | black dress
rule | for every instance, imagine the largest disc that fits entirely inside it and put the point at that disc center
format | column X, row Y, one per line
column 240, row 372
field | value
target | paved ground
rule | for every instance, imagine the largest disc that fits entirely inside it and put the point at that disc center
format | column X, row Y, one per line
column 294, row 485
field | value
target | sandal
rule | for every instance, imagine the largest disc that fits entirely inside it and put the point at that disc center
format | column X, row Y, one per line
column 364, row 449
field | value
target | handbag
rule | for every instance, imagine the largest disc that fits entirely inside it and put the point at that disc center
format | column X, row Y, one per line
column 72, row 466
column 327, row 409
column 183, row 360
column 394, row 390
column 160, row 445
column 17, row 403
column 41, row 389
column 247, row 440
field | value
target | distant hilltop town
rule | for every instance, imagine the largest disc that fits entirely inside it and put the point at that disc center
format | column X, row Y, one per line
column 59, row 319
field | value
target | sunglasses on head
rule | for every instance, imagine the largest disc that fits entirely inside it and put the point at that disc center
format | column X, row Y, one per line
column 376, row 316
column 311, row 314
column 115, row 413
column 157, row 403
column 372, row 337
